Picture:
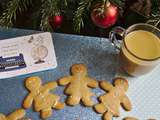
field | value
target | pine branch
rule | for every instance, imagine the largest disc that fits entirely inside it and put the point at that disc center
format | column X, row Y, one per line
column 79, row 14
column 120, row 3
column 13, row 8
column 49, row 8
column 65, row 2
column 154, row 20
column 155, row 14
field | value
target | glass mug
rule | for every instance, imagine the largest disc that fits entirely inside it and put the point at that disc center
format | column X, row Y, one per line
column 139, row 50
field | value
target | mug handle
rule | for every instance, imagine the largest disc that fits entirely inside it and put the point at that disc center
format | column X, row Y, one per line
column 112, row 36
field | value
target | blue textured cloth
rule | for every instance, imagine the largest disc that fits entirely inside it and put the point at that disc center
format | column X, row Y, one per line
column 97, row 53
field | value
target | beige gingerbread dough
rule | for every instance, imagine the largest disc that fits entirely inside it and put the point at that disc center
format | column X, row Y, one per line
column 110, row 102
column 130, row 118
column 133, row 118
column 40, row 95
column 16, row 115
column 78, row 85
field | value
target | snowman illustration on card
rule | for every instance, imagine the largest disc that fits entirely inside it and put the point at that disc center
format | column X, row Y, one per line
column 38, row 50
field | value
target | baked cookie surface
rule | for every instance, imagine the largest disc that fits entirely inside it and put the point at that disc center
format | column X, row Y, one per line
column 18, row 114
column 78, row 86
column 41, row 97
column 114, row 97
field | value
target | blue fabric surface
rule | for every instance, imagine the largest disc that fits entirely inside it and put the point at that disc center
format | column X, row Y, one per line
column 97, row 53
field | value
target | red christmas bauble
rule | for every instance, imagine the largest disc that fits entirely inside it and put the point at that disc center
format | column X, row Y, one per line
column 104, row 15
column 56, row 21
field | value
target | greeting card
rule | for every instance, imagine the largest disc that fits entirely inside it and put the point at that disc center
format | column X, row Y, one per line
column 27, row 54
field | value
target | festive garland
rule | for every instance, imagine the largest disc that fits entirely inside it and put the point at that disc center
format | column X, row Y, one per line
column 81, row 9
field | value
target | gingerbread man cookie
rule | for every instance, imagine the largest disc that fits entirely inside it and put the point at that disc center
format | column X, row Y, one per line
column 115, row 96
column 19, row 114
column 78, row 85
column 40, row 96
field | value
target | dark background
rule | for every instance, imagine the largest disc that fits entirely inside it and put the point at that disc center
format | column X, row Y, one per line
column 26, row 20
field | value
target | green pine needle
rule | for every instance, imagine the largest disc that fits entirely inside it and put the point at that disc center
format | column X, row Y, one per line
column 13, row 8
column 65, row 3
column 56, row 7
column 49, row 8
column 78, row 22
column 154, row 19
